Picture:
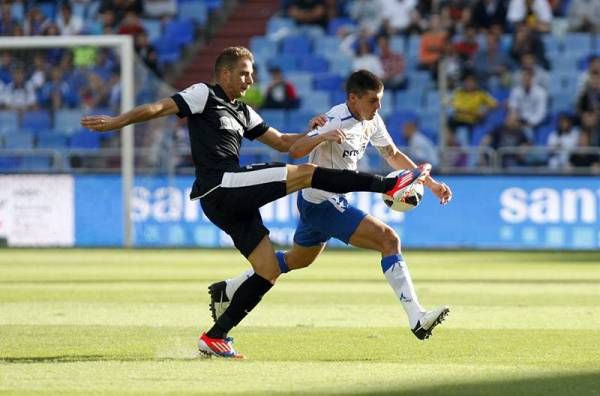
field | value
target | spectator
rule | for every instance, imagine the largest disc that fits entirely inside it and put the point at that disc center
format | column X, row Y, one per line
column 308, row 12
column 120, row 8
column 467, row 46
column 57, row 92
column 584, row 78
column 394, row 69
column 281, row 94
column 420, row 148
column 537, row 14
column 584, row 157
column 68, row 24
column 470, row 105
column 368, row 13
column 95, row 94
column 38, row 74
column 35, row 22
column 589, row 123
column 489, row 12
column 365, row 59
column 562, row 141
column 7, row 23
column 540, row 76
column 510, row 134
column 18, row 95
column 5, row 67
column 526, row 41
column 589, row 101
column 584, row 16
column 453, row 66
column 131, row 24
column 458, row 12
column 432, row 44
column 402, row 16
column 529, row 101
column 108, row 22
column 491, row 64
column 160, row 8
column 147, row 52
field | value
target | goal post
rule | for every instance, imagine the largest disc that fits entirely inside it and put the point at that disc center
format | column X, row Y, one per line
column 124, row 46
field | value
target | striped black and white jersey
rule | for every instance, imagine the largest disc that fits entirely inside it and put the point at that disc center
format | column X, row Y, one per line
column 216, row 128
column 346, row 155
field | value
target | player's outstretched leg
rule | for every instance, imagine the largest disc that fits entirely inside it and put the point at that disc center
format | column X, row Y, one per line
column 221, row 347
column 417, row 175
column 428, row 321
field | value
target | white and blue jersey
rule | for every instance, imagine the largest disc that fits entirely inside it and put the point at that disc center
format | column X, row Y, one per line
column 325, row 215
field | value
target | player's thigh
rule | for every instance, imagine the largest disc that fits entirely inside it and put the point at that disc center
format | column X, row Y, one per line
column 253, row 186
column 374, row 234
column 299, row 176
column 302, row 256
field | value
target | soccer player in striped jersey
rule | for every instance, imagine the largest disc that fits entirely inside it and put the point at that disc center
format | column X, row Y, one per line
column 339, row 144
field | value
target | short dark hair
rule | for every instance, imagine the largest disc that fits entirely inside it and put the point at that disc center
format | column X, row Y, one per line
column 230, row 57
column 362, row 81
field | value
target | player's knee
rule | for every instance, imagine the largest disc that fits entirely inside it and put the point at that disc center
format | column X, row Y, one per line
column 390, row 241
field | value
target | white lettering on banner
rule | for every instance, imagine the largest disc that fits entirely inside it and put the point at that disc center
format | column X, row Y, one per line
column 140, row 204
column 37, row 210
column 168, row 204
column 549, row 206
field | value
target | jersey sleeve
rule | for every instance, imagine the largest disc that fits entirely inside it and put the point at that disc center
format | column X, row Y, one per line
column 381, row 137
column 191, row 100
column 256, row 125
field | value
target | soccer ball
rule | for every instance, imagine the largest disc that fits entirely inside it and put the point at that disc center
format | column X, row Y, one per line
column 406, row 200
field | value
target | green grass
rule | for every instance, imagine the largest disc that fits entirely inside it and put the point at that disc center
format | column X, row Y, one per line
column 123, row 321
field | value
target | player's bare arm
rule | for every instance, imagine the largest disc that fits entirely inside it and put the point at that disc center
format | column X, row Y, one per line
column 307, row 143
column 398, row 160
column 145, row 112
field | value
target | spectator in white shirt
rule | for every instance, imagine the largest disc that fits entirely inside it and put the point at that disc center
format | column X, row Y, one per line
column 540, row 76
column 68, row 24
column 367, row 60
column 584, row 16
column 529, row 101
column 562, row 141
column 535, row 13
column 18, row 95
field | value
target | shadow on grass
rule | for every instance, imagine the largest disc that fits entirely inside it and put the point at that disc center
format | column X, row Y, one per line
column 88, row 358
column 559, row 384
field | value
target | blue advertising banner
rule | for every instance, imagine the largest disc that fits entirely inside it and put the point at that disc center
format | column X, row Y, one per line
column 513, row 212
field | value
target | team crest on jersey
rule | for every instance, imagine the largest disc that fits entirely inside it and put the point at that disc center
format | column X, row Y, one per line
column 232, row 125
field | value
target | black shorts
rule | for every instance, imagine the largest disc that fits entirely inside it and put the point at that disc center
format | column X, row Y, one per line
column 233, row 206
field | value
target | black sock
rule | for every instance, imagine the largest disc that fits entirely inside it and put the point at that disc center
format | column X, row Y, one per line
column 343, row 181
column 244, row 300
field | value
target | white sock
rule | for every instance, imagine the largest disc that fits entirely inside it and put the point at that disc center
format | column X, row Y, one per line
column 396, row 272
column 234, row 283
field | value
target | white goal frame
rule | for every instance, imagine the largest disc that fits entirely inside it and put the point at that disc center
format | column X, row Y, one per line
column 124, row 44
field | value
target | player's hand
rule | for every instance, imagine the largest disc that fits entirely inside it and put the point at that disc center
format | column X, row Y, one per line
column 442, row 191
column 317, row 121
column 335, row 135
column 99, row 123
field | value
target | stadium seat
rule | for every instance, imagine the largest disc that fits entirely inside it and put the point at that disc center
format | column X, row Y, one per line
column 285, row 63
column 51, row 140
column 408, row 98
column 180, row 32
column 542, row 133
column 302, row 81
column 9, row 163
column 263, row 47
column 36, row 120
column 153, row 28
column 275, row 118
column 317, row 103
column 336, row 23
column 194, row 10
column 48, row 9
column 313, row 64
column 19, row 140
column 337, row 97
column 298, row 120
column 341, row 64
column 328, row 82
column 296, row 45
column 397, row 44
column 85, row 140
column 577, row 43
column 276, row 25
column 432, row 101
column 414, row 44
column 68, row 120
column 9, row 120
column 167, row 52
column 213, row 5
column 327, row 45
column 32, row 163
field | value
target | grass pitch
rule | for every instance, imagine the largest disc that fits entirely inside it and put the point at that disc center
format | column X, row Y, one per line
column 123, row 321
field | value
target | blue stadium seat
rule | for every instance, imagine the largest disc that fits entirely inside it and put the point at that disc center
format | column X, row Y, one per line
column 276, row 24
column 408, row 99
column 431, row 133
column 166, row 51
column 577, row 43
column 9, row 120
column 36, row 120
column 17, row 11
column 298, row 120
column 397, row 44
column 36, row 163
column 153, row 28
column 19, row 140
column 180, row 32
column 48, row 9
column 194, row 10
column 85, row 140
column 302, row 81
column 68, row 119
column 313, row 64
column 318, row 102
column 263, row 47
column 337, row 97
column 327, row 46
column 432, row 100
column 341, row 64
column 336, row 23
column 213, row 5
column 414, row 44
column 9, row 163
column 51, row 140
column 328, row 82
column 285, row 63
column 275, row 118
column 296, row 45
column 542, row 133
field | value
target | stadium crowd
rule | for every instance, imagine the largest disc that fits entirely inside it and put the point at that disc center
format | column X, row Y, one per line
column 519, row 73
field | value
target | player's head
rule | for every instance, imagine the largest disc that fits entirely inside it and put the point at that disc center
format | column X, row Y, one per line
column 364, row 91
column 233, row 71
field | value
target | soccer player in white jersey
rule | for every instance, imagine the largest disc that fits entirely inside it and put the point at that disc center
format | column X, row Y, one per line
column 340, row 143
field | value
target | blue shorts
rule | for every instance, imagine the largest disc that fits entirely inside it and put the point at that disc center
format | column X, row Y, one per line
column 319, row 222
